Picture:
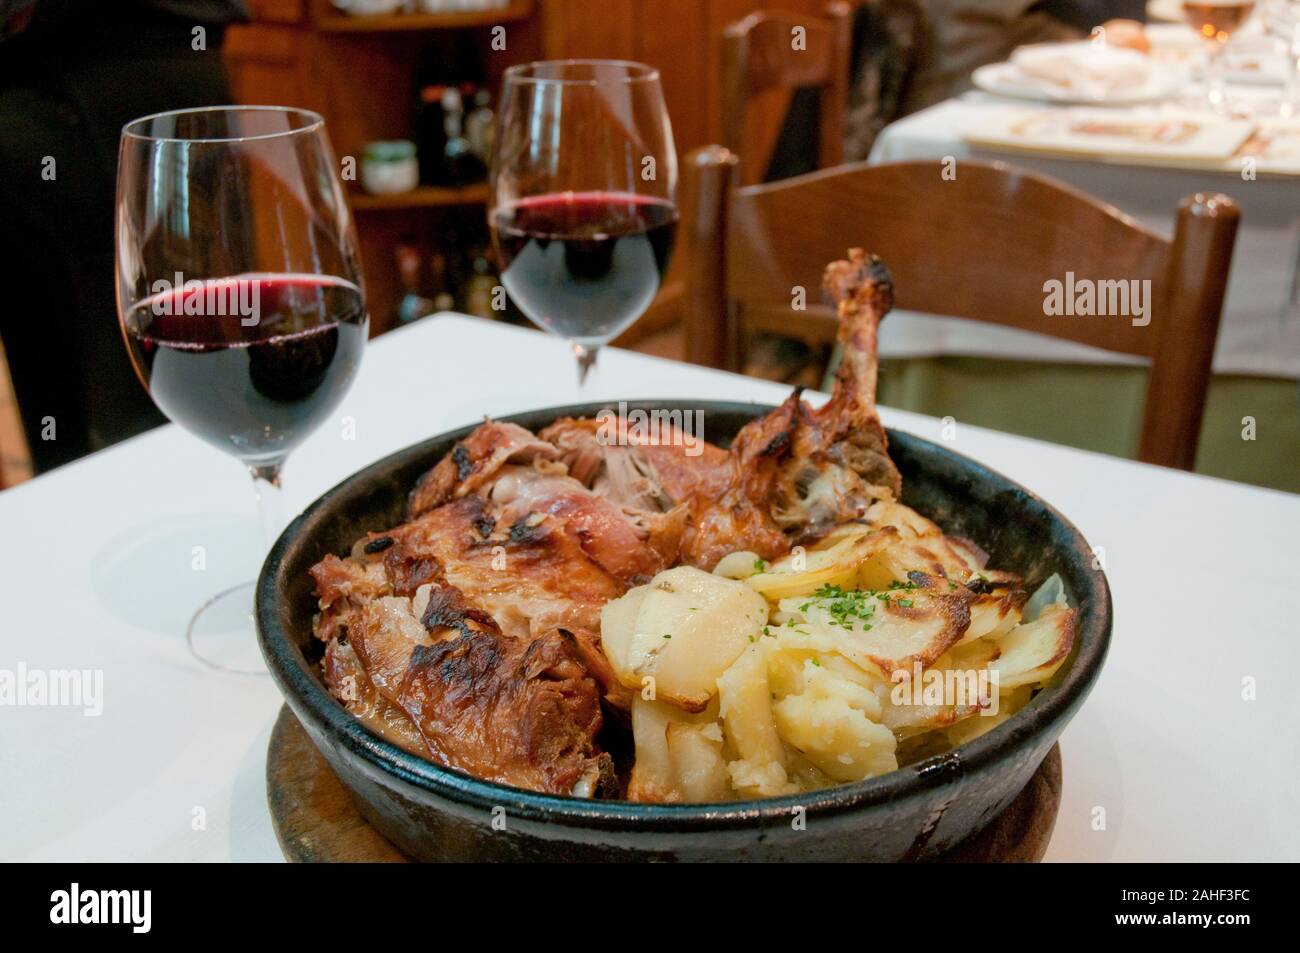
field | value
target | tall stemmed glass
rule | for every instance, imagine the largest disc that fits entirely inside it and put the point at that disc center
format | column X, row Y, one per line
column 583, row 196
column 1216, row 21
column 1282, row 21
column 240, row 300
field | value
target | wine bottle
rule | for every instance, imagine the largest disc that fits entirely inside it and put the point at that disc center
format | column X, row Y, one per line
column 460, row 165
column 413, row 305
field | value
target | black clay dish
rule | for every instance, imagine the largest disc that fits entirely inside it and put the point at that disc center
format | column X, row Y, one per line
column 433, row 813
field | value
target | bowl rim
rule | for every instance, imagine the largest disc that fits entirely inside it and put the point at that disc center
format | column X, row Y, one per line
column 306, row 695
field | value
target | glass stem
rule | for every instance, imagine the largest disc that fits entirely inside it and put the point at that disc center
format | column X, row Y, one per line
column 270, row 502
column 1216, row 82
column 586, row 361
column 1291, row 94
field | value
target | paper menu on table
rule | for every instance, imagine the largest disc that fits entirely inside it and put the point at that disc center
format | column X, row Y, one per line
column 1111, row 135
column 1274, row 146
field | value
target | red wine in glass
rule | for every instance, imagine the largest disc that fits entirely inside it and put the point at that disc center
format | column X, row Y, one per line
column 240, row 299
column 585, row 265
column 252, row 364
column 581, row 196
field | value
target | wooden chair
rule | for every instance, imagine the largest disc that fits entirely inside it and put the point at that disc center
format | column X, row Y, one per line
column 981, row 246
column 759, row 59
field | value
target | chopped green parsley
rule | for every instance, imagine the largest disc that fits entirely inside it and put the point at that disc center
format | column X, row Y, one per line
column 846, row 608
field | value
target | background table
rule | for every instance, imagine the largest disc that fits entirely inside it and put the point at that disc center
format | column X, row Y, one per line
column 1260, row 333
column 97, row 572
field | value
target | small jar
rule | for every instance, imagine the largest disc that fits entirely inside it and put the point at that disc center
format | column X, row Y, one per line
column 390, row 167
column 369, row 8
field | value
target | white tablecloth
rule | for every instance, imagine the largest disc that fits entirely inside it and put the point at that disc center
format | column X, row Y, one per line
column 1260, row 333
column 96, row 573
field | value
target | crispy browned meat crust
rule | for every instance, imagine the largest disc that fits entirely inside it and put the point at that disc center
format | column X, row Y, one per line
column 474, row 461
column 349, row 682
column 517, row 711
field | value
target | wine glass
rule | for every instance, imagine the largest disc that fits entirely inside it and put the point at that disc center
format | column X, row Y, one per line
column 1282, row 23
column 1215, row 21
column 240, row 300
column 583, row 196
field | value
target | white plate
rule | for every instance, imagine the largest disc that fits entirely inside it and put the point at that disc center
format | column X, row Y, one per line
column 1006, row 79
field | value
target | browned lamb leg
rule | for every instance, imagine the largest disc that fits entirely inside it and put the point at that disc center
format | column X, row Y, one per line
column 516, row 711
column 864, row 293
column 798, row 472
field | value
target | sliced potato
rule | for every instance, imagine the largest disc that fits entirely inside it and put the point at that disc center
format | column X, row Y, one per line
column 833, row 566
column 830, row 724
column 752, row 779
column 957, row 686
column 759, row 764
column 970, row 655
column 617, row 628
column 923, row 547
column 689, row 626
column 655, row 774
column 995, row 614
column 904, row 518
column 709, row 621
column 970, row 554
column 906, row 720
column 1033, row 651
column 929, row 555
column 979, row 723
column 695, row 752
column 890, row 630
column 840, row 533
column 805, row 775
column 653, row 778
column 739, row 565
column 782, row 679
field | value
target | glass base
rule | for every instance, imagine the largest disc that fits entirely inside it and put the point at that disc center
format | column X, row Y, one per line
column 221, row 634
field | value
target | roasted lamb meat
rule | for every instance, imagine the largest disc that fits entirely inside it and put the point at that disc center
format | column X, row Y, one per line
column 471, row 632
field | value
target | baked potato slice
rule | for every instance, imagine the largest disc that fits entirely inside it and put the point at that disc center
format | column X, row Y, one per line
column 695, row 753
column 979, row 723
column 759, row 765
column 617, row 628
column 836, row 565
column 1033, row 651
column 657, row 774
column 833, row 722
column 958, row 685
column 689, row 626
column 891, row 629
column 994, row 614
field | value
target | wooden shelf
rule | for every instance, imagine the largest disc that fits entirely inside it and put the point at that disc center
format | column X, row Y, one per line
column 336, row 21
column 426, row 196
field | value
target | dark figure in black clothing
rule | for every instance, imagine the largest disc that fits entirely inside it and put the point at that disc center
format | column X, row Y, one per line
column 72, row 73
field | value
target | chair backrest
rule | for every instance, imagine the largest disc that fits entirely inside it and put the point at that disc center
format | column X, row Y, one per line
column 986, row 242
column 769, row 51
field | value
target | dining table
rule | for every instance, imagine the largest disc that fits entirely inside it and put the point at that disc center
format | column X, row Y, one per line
column 1186, row 749
column 1260, row 332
